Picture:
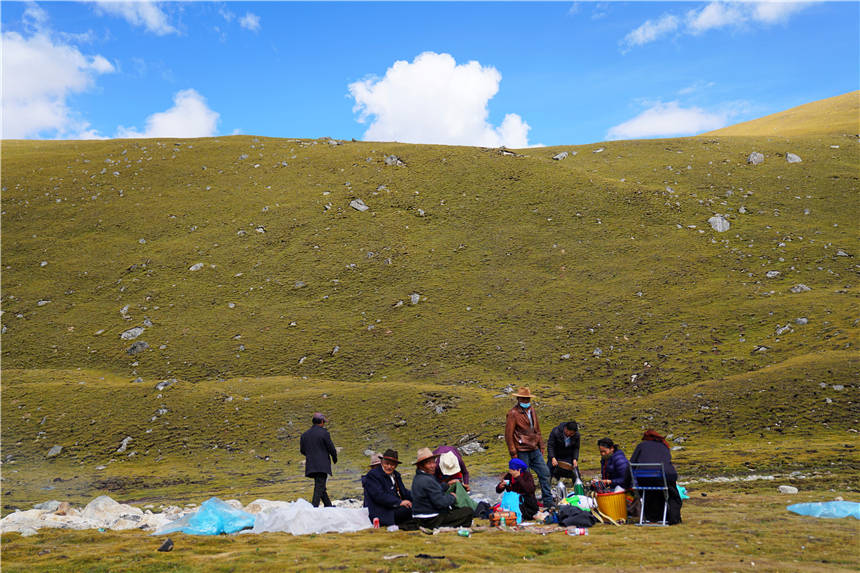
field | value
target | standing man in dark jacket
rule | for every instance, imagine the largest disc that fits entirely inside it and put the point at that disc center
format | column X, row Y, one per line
column 320, row 453
column 563, row 446
column 432, row 505
column 385, row 496
column 523, row 438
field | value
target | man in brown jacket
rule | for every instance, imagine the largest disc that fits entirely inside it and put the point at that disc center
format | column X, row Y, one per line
column 523, row 438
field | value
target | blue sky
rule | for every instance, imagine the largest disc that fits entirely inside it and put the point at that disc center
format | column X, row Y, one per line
column 513, row 74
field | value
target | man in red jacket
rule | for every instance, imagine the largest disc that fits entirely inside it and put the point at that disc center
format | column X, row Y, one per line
column 523, row 438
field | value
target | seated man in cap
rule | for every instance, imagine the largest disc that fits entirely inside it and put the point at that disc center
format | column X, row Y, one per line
column 431, row 504
column 385, row 496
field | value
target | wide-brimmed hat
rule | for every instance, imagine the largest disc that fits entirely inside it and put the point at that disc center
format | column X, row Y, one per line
column 375, row 459
column 423, row 454
column 390, row 456
column 448, row 464
column 523, row 392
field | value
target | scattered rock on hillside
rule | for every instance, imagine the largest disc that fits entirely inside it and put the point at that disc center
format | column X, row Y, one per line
column 132, row 333
column 472, row 447
column 55, row 451
column 165, row 384
column 300, row 284
column 597, row 352
column 798, row 288
column 772, row 274
column 393, row 160
column 195, row 267
column 719, row 223
column 789, row 489
column 137, row 347
column 801, row 321
column 358, row 205
column 414, row 298
column 599, row 150
column 755, row 158
column 123, row 445
column 560, row 156
column 792, row 158
column 780, row 330
column 137, row 380
column 841, row 253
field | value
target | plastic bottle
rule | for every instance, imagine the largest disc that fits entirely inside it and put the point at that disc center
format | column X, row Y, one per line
column 463, row 532
column 578, row 487
column 502, row 522
column 577, row 531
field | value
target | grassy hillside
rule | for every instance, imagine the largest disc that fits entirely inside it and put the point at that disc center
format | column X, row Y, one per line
column 832, row 116
column 596, row 279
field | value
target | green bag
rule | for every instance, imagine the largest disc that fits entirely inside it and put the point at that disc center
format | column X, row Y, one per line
column 463, row 499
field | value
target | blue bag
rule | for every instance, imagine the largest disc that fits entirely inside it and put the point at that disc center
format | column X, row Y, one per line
column 511, row 502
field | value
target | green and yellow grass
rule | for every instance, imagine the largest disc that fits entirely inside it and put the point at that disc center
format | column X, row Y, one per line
column 595, row 280
column 835, row 115
column 728, row 530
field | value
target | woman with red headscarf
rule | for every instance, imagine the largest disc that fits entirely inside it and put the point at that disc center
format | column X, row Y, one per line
column 655, row 449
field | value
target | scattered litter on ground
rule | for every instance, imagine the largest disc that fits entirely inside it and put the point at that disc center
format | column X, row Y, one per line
column 827, row 509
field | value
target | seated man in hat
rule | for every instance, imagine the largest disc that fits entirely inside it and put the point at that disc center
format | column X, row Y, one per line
column 562, row 450
column 431, row 504
column 385, row 496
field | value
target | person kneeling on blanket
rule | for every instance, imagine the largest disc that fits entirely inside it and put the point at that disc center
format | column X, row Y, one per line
column 431, row 504
column 519, row 479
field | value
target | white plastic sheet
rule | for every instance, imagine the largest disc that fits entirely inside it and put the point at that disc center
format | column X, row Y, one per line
column 301, row 518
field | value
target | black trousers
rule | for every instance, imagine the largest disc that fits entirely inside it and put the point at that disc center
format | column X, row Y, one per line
column 320, row 493
column 457, row 517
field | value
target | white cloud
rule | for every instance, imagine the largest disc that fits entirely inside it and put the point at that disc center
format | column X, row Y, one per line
column 39, row 74
column 669, row 120
column 776, row 12
column 713, row 16
column 435, row 100
column 250, row 21
column 190, row 116
column 139, row 13
column 651, row 31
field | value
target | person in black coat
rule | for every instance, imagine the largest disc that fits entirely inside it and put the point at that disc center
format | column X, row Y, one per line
column 655, row 449
column 319, row 451
column 563, row 446
column 385, row 496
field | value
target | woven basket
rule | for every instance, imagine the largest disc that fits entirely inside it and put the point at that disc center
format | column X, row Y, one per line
column 613, row 505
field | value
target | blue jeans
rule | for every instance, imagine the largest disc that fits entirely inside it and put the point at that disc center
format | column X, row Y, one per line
column 535, row 461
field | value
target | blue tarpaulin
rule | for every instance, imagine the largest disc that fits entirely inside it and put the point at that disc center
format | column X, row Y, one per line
column 831, row 509
column 212, row 518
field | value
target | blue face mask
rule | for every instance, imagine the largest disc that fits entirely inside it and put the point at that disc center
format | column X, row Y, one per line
column 525, row 405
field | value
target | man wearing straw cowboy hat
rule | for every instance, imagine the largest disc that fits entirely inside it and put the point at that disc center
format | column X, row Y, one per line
column 523, row 438
column 432, row 506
